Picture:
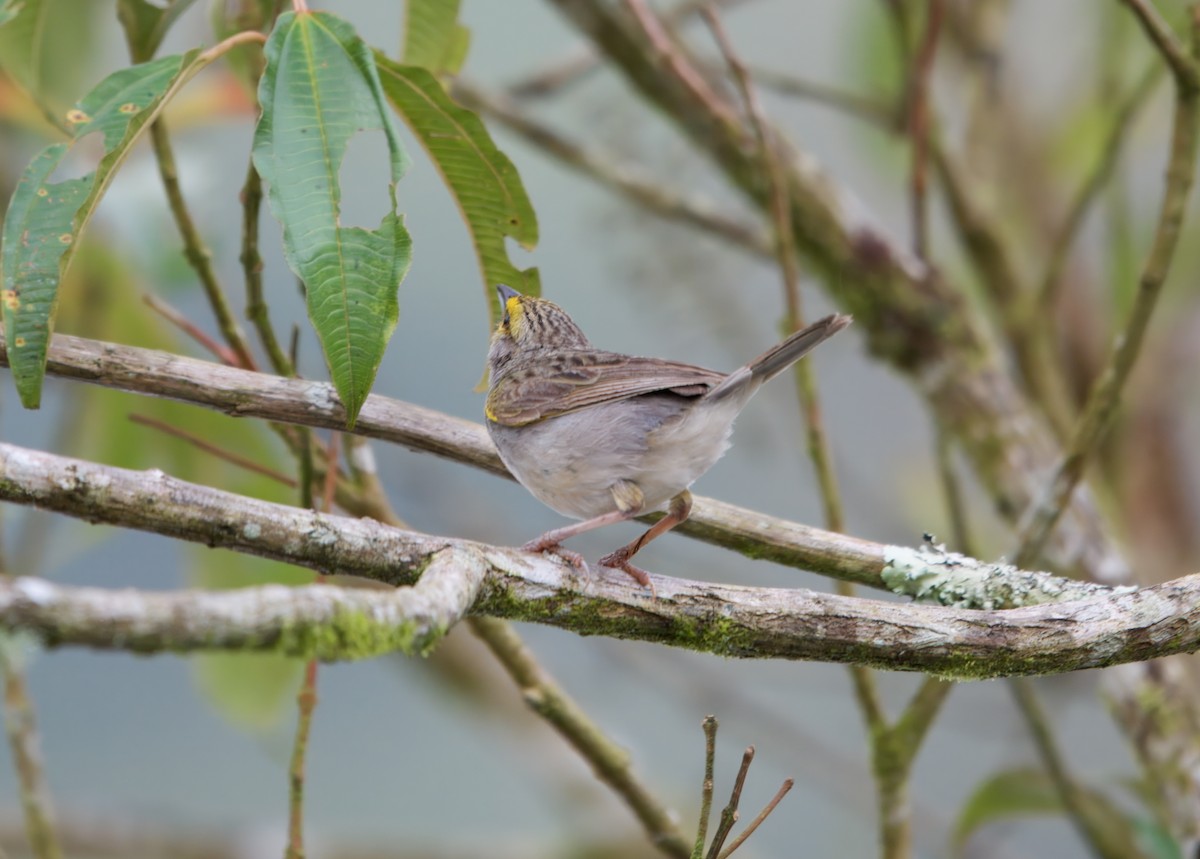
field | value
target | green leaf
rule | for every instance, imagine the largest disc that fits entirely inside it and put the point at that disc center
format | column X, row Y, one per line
column 253, row 690
column 24, row 25
column 1026, row 792
column 319, row 88
column 433, row 38
column 1155, row 840
column 147, row 23
column 45, row 218
column 45, row 44
column 485, row 184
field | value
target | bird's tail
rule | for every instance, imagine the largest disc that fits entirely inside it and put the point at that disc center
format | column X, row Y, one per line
column 781, row 356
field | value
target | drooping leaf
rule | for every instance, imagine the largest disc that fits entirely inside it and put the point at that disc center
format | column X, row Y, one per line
column 1024, row 792
column 433, row 38
column 23, row 28
column 45, row 218
column 44, row 46
column 147, row 23
column 485, row 184
column 253, row 690
column 320, row 87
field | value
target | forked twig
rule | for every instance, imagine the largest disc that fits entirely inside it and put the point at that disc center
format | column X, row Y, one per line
column 729, row 815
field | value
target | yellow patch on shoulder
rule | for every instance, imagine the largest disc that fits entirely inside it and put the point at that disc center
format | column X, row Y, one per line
column 487, row 411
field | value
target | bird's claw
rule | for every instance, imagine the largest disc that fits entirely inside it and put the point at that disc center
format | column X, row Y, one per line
column 573, row 558
column 619, row 560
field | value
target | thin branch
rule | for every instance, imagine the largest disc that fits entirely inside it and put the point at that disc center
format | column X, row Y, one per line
column 1105, row 395
column 864, row 107
column 918, row 126
column 956, row 509
column 1095, row 182
column 1177, row 57
column 633, row 184
column 252, row 265
column 1116, row 627
column 609, row 760
column 681, row 66
column 21, row 726
column 949, row 578
column 729, row 814
column 759, row 818
column 996, row 262
column 1093, row 832
column 583, row 59
column 198, row 255
column 709, row 726
column 306, row 702
column 169, row 313
column 206, row 446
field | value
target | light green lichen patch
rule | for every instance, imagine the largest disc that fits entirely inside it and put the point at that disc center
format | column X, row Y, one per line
column 932, row 575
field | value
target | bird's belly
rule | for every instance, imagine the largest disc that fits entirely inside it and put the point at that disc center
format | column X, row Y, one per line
column 663, row 443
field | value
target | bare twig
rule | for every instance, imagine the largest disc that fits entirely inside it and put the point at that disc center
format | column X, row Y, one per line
column 610, row 762
column 1099, row 838
column 729, row 814
column 306, row 702
column 709, row 725
column 224, row 353
column 673, row 56
column 584, row 59
column 21, row 726
column 331, row 471
column 1105, row 395
column 956, row 510
column 918, row 126
column 252, row 264
column 1179, row 60
column 1095, row 182
column 759, row 818
column 206, row 446
column 865, row 107
column 194, row 249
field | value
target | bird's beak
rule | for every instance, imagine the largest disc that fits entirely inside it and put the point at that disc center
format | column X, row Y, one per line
column 506, row 292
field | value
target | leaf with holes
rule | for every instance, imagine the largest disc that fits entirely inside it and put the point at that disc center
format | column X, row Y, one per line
column 319, row 89
column 485, row 184
column 45, row 217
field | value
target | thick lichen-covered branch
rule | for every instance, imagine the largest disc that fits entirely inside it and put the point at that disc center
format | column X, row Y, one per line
column 763, row 623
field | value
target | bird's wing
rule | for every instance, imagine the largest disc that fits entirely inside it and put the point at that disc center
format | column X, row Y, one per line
column 568, row 381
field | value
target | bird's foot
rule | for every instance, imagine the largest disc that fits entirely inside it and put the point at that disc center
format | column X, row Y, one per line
column 543, row 546
column 619, row 560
